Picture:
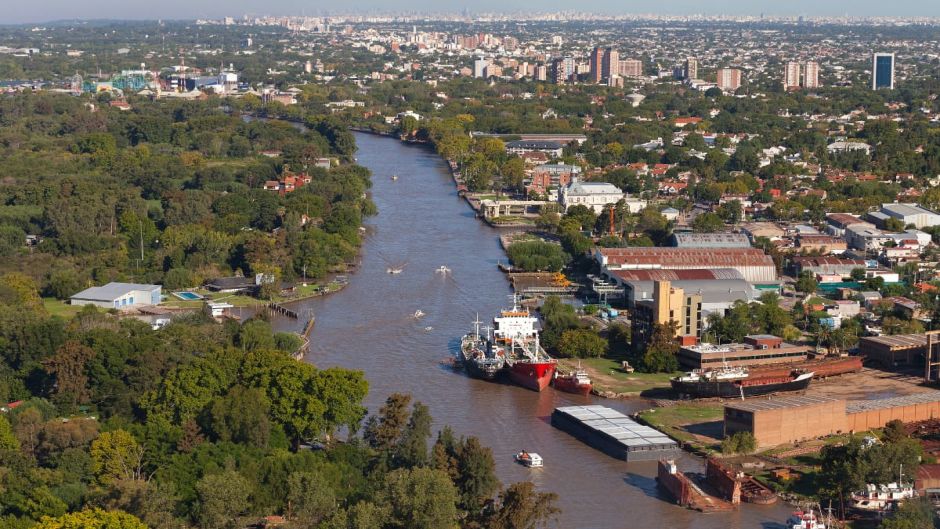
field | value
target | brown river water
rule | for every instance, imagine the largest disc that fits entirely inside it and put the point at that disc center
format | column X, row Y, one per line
column 422, row 224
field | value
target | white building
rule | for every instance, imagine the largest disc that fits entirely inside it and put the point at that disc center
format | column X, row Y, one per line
column 865, row 237
column 119, row 295
column 914, row 214
column 596, row 196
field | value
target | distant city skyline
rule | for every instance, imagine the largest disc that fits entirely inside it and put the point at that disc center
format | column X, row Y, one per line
column 51, row 10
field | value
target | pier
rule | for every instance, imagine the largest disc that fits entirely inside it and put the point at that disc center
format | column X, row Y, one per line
column 282, row 311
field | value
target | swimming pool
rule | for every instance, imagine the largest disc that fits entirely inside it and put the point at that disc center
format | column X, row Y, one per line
column 187, row 296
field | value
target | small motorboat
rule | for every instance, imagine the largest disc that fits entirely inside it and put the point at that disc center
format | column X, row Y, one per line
column 418, row 313
column 394, row 271
column 394, row 177
column 428, row 329
column 529, row 459
column 443, row 270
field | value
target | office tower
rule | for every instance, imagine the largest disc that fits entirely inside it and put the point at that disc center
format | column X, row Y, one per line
column 811, row 75
column 611, row 63
column 729, row 79
column 691, row 69
column 791, row 77
column 882, row 72
column 597, row 64
column 631, row 68
column 479, row 67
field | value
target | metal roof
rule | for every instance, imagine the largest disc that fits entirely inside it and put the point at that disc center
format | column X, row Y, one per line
column 672, row 256
column 899, row 341
column 711, row 240
column 112, row 291
column 728, row 274
column 905, row 210
column 616, row 425
column 779, row 403
column 894, row 402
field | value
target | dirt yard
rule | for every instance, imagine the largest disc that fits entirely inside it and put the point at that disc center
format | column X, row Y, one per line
column 869, row 384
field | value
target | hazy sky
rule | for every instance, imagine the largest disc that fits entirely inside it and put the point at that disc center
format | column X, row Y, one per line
column 20, row 11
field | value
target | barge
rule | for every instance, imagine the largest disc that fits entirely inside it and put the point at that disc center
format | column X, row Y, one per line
column 614, row 433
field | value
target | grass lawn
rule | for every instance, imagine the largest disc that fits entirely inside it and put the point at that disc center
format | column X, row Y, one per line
column 608, row 376
column 57, row 307
column 673, row 419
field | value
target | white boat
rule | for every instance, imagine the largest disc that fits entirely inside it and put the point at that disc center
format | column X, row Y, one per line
column 393, row 271
column 418, row 313
column 443, row 270
column 882, row 497
column 805, row 520
column 428, row 329
column 394, row 177
column 529, row 459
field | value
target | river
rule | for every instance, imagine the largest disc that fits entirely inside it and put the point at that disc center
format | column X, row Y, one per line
column 422, row 224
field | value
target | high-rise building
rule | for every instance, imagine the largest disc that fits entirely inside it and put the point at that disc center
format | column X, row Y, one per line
column 691, row 69
column 541, row 73
column 811, row 75
column 631, row 68
column 791, row 77
column 611, row 64
column 669, row 304
column 479, row 67
column 882, row 71
column 563, row 69
column 597, row 64
column 729, row 79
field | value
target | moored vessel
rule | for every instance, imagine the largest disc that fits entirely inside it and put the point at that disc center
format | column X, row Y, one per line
column 734, row 382
column 576, row 381
column 516, row 331
column 479, row 356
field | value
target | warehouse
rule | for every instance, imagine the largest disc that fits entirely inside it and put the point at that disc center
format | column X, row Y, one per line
column 757, row 350
column 753, row 264
column 719, row 287
column 784, row 420
column 614, row 433
column 710, row 240
column 892, row 351
column 119, row 295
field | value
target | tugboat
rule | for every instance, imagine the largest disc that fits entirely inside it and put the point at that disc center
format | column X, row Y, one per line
column 528, row 364
column 805, row 520
column 880, row 498
column 577, row 382
column 730, row 382
column 480, row 357
column 529, row 459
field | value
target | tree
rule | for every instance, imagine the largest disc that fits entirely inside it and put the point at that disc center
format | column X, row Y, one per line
column 241, row 416
column 660, row 354
column 412, row 449
column 520, row 506
column 806, row 283
column 92, row 519
column 739, row 443
column 857, row 274
column 476, row 474
column 310, row 498
column 384, row 431
column 893, row 432
column 116, row 455
column 222, row 498
column 8, row 440
column 912, row 514
column 67, row 368
column 581, row 343
column 707, row 223
column 420, row 498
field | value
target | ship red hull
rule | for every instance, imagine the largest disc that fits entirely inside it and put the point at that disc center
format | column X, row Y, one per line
column 570, row 386
column 533, row 375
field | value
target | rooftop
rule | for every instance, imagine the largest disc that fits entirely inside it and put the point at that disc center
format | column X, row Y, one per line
column 113, row 290
column 779, row 403
column 905, row 210
column 894, row 402
column 692, row 274
column 711, row 240
column 672, row 256
column 902, row 341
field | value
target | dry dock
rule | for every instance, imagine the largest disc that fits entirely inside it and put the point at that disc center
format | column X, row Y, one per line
column 614, row 433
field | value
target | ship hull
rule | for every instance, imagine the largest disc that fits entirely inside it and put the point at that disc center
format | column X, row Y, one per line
column 570, row 386
column 735, row 389
column 533, row 375
column 483, row 372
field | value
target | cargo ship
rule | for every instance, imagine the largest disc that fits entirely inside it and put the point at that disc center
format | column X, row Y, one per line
column 577, row 382
column 734, row 382
column 821, row 367
column 516, row 332
column 480, row 357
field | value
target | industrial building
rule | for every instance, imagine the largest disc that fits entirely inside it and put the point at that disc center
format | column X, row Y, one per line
column 669, row 304
column 119, row 295
column 720, row 288
column 757, row 350
column 895, row 350
column 791, row 419
column 829, row 265
column 908, row 214
column 753, row 264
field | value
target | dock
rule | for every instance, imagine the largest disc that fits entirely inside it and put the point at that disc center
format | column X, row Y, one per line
column 685, row 491
column 614, row 433
column 282, row 310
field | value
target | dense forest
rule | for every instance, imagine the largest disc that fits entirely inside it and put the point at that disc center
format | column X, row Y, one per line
column 112, row 424
column 170, row 192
